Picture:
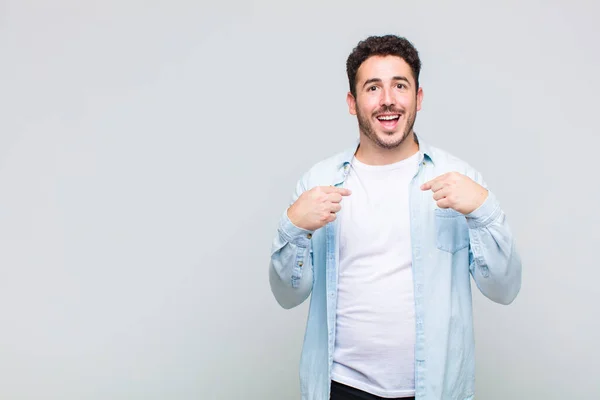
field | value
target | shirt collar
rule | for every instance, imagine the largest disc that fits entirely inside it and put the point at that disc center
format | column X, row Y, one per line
column 425, row 150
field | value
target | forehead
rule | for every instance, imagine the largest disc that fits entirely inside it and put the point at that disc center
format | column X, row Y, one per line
column 383, row 67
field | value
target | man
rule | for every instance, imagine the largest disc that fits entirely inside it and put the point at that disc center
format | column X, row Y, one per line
column 385, row 236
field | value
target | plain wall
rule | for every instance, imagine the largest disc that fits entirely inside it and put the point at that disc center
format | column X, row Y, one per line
column 147, row 150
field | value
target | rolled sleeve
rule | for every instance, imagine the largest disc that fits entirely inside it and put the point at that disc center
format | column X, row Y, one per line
column 292, row 233
column 486, row 213
column 300, row 240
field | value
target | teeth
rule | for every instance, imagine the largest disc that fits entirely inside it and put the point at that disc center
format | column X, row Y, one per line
column 388, row 117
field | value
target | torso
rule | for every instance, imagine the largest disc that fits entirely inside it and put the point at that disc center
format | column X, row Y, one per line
column 375, row 328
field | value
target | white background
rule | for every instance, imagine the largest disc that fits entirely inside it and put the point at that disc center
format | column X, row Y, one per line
column 147, row 150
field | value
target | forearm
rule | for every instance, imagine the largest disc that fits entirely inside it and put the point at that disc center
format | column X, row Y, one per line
column 494, row 260
column 290, row 268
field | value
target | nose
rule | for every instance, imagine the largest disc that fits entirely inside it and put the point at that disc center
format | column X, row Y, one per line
column 386, row 98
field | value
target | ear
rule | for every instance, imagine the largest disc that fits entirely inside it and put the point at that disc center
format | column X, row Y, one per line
column 351, row 103
column 419, row 98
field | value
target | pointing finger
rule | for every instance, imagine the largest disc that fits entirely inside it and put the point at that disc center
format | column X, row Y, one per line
column 427, row 185
column 434, row 185
column 340, row 190
column 438, row 185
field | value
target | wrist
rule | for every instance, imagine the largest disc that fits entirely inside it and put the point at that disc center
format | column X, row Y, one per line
column 293, row 232
column 291, row 216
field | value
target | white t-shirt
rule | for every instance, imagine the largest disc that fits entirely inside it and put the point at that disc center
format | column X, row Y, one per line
column 375, row 328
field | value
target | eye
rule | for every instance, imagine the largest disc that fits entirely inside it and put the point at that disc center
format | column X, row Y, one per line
column 401, row 86
column 372, row 88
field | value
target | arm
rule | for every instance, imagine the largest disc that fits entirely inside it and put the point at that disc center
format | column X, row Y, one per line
column 495, row 263
column 290, row 268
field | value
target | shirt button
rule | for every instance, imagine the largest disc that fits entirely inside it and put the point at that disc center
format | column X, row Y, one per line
column 309, row 235
column 300, row 263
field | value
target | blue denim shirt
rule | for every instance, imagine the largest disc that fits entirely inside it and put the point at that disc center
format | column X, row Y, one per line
column 448, row 248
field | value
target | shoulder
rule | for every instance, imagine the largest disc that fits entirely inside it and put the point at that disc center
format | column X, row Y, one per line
column 444, row 161
column 327, row 171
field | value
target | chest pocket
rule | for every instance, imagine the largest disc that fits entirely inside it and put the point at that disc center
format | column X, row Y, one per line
column 452, row 231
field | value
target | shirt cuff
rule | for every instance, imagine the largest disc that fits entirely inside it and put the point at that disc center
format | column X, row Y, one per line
column 293, row 233
column 486, row 213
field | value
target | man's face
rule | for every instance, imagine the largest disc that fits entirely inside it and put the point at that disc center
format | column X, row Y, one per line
column 387, row 100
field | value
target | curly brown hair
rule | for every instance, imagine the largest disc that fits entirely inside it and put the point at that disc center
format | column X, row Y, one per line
column 382, row 46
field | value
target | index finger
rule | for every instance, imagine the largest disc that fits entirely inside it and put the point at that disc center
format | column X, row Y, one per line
column 340, row 190
column 427, row 185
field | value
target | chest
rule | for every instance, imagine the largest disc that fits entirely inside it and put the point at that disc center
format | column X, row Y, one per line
column 377, row 212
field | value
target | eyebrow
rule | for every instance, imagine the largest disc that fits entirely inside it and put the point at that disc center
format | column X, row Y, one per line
column 377, row 80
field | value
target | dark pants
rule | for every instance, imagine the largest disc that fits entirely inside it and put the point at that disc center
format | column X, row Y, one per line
column 343, row 392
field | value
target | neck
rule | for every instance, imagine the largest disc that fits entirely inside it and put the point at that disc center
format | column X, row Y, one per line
column 372, row 154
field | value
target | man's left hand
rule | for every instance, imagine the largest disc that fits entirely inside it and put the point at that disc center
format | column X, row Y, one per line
column 456, row 191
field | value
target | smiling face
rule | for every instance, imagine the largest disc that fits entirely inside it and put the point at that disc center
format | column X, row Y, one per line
column 386, row 102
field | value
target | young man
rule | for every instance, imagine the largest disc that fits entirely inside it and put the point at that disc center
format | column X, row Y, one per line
column 385, row 236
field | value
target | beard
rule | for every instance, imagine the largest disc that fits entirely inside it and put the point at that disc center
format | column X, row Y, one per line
column 367, row 127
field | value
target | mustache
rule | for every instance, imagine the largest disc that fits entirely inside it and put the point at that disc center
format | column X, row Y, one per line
column 388, row 110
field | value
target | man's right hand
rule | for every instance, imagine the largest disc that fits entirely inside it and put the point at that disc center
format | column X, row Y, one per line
column 317, row 207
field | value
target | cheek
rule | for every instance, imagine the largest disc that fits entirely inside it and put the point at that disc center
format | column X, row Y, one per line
column 408, row 103
column 368, row 106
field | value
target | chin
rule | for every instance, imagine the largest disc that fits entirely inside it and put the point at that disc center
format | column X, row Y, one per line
column 391, row 139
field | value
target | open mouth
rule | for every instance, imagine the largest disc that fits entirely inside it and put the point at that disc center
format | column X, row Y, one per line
column 388, row 121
